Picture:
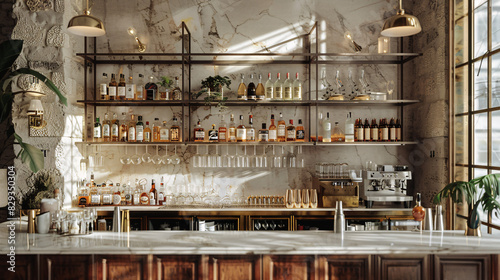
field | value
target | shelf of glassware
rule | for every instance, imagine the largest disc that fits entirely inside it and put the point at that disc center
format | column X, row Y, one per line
column 191, row 143
column 250, row 103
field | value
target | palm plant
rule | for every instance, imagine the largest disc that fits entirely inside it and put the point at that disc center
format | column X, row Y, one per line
column 482, row 191
column 9, row 52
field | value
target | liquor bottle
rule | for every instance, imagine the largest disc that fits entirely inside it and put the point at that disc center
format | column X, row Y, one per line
column 242, row 89
column 121, row 90
column 327, row 129
column 384, row 131
column 392, row 130
column 359, row 131
column 269, row 88
column 260, row 91
column 175, row 131
column 112, row 88
column 106, row 194
column 151, row 88
column 281, row 133
column 213, row 134
column 176, row 90
column 161, row 193
column 222, row 130
column 83, row 194
column 367, row 130
column 131, row 129
column 122, row 194
column 103, row 87
column 156, row 130
column 251, row 89
column 374, row 131
column 97, row 131
column 147, row 133
column 398, row 130
column 144, row 196
column 139, row 90
column 164, row 132
column 115, row 128
column 418, row 211
column 287, row 88
column 106, row 128
column 123, row 133
column 273, row 132
column 128, row 194
column 250, row 130
column 136, row 198
column 152, row 193
column 117, row 196
column 320, row 129
column 291, row 133
column 337, row 133
column 232, row 130
column 349, row 128
column 199, row 132
column 130, row 89
column 139, row 130
column 278, row 88
column 297, row 88
column 241, row 133
column 301, row 132
column 263, row 134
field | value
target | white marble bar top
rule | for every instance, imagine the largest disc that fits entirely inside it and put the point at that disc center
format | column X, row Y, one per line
column 252, row 242
column 239, row 209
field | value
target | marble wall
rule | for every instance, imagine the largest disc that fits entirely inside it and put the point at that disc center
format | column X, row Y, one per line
column 222, row 26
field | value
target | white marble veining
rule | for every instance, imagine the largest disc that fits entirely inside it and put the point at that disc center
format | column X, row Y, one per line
column 249, row 242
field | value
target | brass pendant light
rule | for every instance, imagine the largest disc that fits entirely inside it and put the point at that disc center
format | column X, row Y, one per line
column 401, row 24
column 86, row 25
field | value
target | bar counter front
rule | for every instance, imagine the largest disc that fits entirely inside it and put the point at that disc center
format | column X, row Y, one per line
column 255, row 255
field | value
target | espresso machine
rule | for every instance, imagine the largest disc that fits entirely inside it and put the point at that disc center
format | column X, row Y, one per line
column 389, row 183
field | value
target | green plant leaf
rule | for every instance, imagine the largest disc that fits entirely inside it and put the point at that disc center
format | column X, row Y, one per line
column 44, row 79
column 9, row 52
column 30, row 155
column 474, row 220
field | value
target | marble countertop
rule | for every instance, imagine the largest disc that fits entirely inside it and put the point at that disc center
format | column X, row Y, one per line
column 252, row 242
column 240, row 209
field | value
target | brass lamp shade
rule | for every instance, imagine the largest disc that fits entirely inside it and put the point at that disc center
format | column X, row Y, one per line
column 401, row 24
column 86, row 25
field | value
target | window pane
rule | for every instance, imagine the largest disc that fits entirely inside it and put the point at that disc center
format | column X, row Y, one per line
column 461, row 90
column 480, row 84
column 477, row 3
column 495, row 138
column 461, row 173
column 481, row 139
column 461, row 139
column 461, row 40
column 461, row 7
column 495, row 80
column 480, row 30
column 495, row 24
column 478, row 172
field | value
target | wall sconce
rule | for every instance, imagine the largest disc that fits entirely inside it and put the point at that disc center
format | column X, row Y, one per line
column 352, row 44
column 35, row 114
column 132, row 32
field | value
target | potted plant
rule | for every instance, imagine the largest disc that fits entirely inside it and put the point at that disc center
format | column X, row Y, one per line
column 484, row 191
column 165, row 83
column 214, row 86
column 9, row 52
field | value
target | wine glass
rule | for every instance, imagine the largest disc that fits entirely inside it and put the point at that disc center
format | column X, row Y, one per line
column 265, row 225
column 146, row 157
column 135, row 159
column 390, row 87
column 272, row 225
column 156, row 159
column 175, row 158
column 165, row 159
column 125, row 159
column 257, row 225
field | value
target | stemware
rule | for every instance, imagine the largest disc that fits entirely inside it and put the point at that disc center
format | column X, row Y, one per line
column 146, row 157
column 156, row 159
column 165, row 159
column 175, row 158
column 135, row 159
column 338, row 83
column 125, row 159
column 257, row 225
column 265, row 225
column 272, row 225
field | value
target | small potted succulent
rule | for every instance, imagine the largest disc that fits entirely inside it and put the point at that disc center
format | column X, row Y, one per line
column 482, row 191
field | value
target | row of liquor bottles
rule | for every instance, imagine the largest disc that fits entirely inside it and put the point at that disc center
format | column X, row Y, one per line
column 92, row 194
column 290, row 90
column 129, row 90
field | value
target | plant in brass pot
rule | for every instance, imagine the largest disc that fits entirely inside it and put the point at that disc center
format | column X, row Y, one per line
column 214, row 87
column 483, row 191
column 30, row 155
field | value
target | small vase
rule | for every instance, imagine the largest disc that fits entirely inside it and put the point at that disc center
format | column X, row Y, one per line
column 31, row 213
column 473, row 231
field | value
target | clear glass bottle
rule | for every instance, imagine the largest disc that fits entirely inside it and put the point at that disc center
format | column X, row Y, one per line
column 139, row 130
column 131, row 129
column 106, row 128
column 327, row 129
column 242, row 89
column 156, row 130
column 97, row 130
column 232, row 130
column 297, row 88
column 121, row 90
column 103, row 87
column 349, row 128
column 337, row 133
column 139, row 90
column 112, row 88
column 175, row 131
column 223, row 130
column 241, row 133
column 251, row 89
column 250, row 130
column 176, row 90
column 115, row 128
column 269, row 88
column 164, row 132
column 147, row 133
column 260, row 91
column 130, row 89
column 287, row 88
column 123, row 133
column 278, row 88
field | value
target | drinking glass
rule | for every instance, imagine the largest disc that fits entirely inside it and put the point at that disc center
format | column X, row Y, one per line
column 276, row 159
column 135, row 159
column 125, row 159
column 297, row 195
column 175, row 158
column 165, row 159
column 390, row 88
column 156, row 159
column 98, row 158
column 305, row 198
column 146, row 157
column 313, row 199
column 284, row 157
column 289, row 198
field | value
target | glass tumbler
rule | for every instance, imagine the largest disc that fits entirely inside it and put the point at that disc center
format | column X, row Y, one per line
column 289, row 198
column 305, row 198
column 297, row 195
column 313, row 199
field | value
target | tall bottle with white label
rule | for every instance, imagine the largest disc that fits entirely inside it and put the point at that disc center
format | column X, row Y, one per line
column 139, row 89
column 327, row 129
column 273, row 131
column 260, row 91
column 349, row 128
column 130, row 90
column 131, row 129
column 103, row 87
column 106, row 128
column 115, row 128
column 281, row 135
column 112, row 88
column 241, row 132
column 139, row 130
column 278, row 88
column 287, row 88
column 121, row 90
column 297, row 88
column 242, row 89
column 97, row 131
column 269, row 88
